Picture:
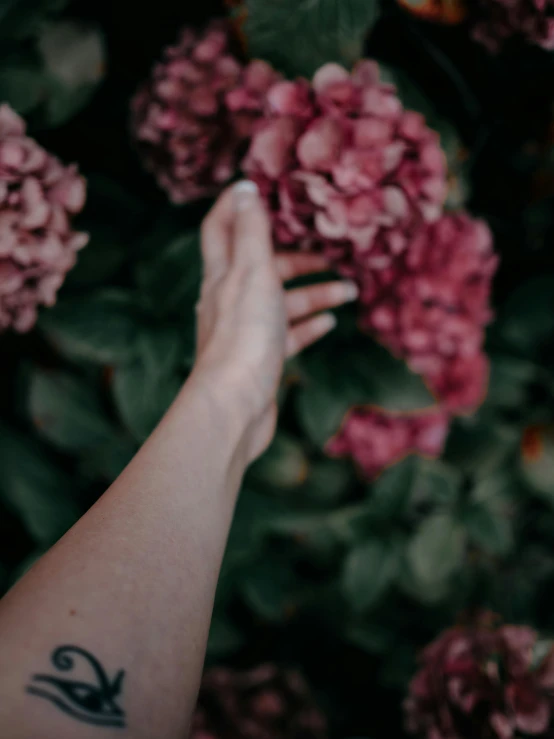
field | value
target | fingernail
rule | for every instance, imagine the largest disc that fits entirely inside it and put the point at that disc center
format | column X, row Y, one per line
column 350, row 291
column 245, row 193
column 326, row 322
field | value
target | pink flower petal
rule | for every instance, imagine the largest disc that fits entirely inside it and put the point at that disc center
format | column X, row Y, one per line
column 319, row 147
column 329, row 75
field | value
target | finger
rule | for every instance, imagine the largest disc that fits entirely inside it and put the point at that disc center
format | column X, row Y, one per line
column 304, row 301
column 216, row 237
column 308, row 332
column 252, row 243
column 295, row 265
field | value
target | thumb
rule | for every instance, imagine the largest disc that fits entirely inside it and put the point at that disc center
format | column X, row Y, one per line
column 252, row 243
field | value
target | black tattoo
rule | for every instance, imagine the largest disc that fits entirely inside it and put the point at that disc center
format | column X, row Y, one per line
column 92, row 703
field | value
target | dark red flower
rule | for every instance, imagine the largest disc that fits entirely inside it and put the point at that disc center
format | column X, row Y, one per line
column 188, row 135
column 432, row 307
column 264, row 703
column 342, row 165
column 38, row 199
column 376, row 440
column 495, row 21
column 481, row 681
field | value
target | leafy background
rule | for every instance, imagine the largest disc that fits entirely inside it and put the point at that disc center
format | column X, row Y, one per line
column 346, row 579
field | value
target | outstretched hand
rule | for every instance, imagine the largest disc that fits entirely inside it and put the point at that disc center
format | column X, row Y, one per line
column 248, row 324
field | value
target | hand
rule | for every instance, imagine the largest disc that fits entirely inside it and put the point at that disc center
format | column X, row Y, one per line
column 247, row 324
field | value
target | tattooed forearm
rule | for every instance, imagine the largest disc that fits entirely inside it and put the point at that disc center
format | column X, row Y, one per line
column 92, row 701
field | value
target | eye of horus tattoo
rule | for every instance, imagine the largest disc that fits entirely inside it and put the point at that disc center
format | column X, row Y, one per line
column 91, row 702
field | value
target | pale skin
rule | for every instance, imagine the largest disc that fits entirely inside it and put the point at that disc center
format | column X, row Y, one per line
column 132, row 583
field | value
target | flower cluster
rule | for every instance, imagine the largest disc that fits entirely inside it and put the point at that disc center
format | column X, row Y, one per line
column 498, row 20
column 344, row 170
column 343, row 167
column 264, row 703
column 376, row 440
column 188, row 136
column 482, row 681
column 38, row 197
column 432, row 308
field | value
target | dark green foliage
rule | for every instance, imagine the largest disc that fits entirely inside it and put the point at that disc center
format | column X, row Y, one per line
column 348, row 578
column 354, row 370
column 298, row 36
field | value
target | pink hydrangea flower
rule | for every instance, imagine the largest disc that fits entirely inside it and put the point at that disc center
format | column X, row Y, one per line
column 343, row 167
column 481, row 681
column 188, row 137
column 432, row 308
column 264, row 703
column 38, row 197
column 376, row 440
column 498, row 20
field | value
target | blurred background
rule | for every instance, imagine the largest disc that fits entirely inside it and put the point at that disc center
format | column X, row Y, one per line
column 359, row 537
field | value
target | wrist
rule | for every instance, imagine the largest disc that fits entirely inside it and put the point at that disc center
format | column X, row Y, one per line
column 224, row 404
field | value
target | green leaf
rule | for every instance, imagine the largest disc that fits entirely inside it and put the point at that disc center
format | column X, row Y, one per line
column 527, row 320
column 268, row 589
column 321, row 411
column 31, row 485
column 100, row 261
column 254, row 515
column 437, row 549
column 488, row 530
column 284, row 465
column 329, row 481
column 298, row 36
column 437, row 484
column 411, row 484
column 427, row 593
column 369, row 570
column 22, row 18
column 103, row 327
column 477, row 446
column 144, row 389
column 371, row 637
column 323, row 529
column 74, row 59
column 113, row 218
column 22, row 85
column 391, row 494
column 510, row 379
column 171, row 279
column 67, row 410
column 490, row 511
column 339, row 374
column 498, row 490
column 61, row 103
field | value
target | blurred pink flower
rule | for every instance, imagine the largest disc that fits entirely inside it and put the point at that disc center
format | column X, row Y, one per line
column 38, row 197
column 189, row 138
column 432, row 308
column 462, row 384
column 481, row 681
column 375, row 440
column 264, row 703
column 498, row 20
column 341, row 165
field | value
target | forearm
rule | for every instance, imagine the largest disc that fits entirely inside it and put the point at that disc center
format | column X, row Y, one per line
column 132, row 584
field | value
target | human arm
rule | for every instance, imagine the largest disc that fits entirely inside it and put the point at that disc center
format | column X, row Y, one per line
column 130, row 587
